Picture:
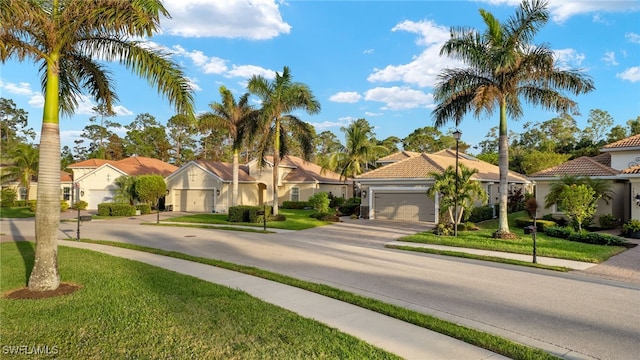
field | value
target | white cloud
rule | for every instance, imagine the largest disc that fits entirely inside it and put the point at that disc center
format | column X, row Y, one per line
column 399, row 98
column 423, row 70
column 346, row 97
column 633, row 37
column 332, row 124
column 37, row 101
column 247, row 71
column 368, row 51
column 208, row 65
column 193, row 84
column 372, row 114
column 561, row 10
column 21, row 88
column 122, row 111
column 568, row 58
column 631, row 74
column 430, row 32
column 610, row 58
column 250, row 19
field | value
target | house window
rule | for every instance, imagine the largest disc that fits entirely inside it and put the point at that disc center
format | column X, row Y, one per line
column 295, row 194
column 66, row 193
column 23, row 193
column 489, row 194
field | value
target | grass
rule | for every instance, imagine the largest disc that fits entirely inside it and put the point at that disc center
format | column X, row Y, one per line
column 545, row 245
column 479, row 257
column 296, row 220
column 15, row 212
column 475, row 337
column 127, row 309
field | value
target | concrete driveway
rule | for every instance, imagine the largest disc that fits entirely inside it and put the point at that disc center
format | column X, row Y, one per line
column 573, row 315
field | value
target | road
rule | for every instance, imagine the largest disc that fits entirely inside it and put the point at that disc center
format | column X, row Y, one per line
column 572, row 315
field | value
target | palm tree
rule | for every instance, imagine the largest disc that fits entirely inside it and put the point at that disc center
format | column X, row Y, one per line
column 358, row 153
column 602, row 188
column 280, row 97
column 24, row 166
column 503, row 67
column 469, row 191
column 238, row 118
column 67, row 38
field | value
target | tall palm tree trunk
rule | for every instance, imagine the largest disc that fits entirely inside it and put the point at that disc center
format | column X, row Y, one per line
column 45, row 275
column 503, row 165
column 234, row 186
column 276, row 166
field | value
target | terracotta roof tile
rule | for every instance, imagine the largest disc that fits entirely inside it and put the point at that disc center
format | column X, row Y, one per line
column 138, row 165
column 401, row 155
column 420, row 167
column 630, row 142
column 582, row 166
column 65, row 176
column 307, row 171
column 604, row 159
column 91, row 163
column 632, row 170
column 225, row 170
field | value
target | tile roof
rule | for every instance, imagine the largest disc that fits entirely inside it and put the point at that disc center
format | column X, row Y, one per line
column 632, row 170
column 65, row 176
column 420, row 166
column 604, row 159
column 305, row 171
column 90, row 163
column 401, row 155
column 225, row 170
column 139, row 165
column 625, row 144
column 582, row 166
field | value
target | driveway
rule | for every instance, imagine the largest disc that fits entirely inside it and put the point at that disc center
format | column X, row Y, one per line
column 574, row 315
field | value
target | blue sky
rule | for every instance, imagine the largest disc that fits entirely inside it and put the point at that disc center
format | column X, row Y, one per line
column 362, row 59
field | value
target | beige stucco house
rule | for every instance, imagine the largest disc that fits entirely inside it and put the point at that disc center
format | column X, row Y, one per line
column 618, row 164
column 66, row 185
column 397, row 190
column 94, row 179
column 206, row 186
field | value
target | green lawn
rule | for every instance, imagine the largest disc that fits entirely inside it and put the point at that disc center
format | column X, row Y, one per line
column 296, row 220
column 15, row 212
column 127, row 309
column 545, row 245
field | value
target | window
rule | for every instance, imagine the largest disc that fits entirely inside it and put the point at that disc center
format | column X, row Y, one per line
column 66, row 193
column 23, row 194
column 295, row 194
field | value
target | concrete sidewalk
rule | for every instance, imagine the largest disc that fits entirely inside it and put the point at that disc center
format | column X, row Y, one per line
column 398, row 337
column 569, row 264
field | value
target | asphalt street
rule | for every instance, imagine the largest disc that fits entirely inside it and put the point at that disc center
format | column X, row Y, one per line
column 573, row 315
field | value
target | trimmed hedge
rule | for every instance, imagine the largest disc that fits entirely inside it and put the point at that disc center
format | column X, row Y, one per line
column 585, row 236
column 116, row 209
column 296, row 205
column 248, row 214
column 144, row 208
column 541, row 225
column 351, row 206
column 481, row 213
column 32, row 205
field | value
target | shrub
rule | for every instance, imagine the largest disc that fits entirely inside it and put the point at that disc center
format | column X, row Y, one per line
column 32, row 205
column 350, row 207
column 515, row 200
column 295, row 205
column 443, row 229
column 64, row 205
column 336, row 201
column 630, row 227
column 119, row 209
column 608, row 221
column 8, row 197
column 530, row 205
column 116, row 209
column 80, row 205
column 541, row 225
column 144, row 208
column 248, row 214
column 481, row 213
column 320, row 202
column 548, row 217
column 104, row 209
column 584, row 236
column 323, row 216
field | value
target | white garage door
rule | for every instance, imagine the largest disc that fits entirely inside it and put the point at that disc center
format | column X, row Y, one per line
column 194, row 201
column 404, row 206
column 99, row 196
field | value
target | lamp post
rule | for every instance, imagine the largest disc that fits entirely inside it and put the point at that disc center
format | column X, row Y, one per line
column 456, row 135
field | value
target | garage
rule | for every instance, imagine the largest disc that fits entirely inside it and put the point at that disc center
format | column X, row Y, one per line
column 194, row 201
column 99, row 196
column 403, row 206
